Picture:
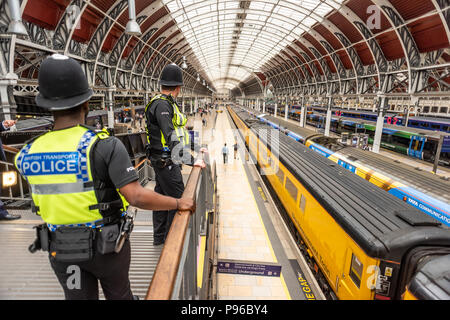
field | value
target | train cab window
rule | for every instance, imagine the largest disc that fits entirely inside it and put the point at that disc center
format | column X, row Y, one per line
column 443, row 110
column 302, row 203
column 356, row 270
column 291, row 188
column 426, row 109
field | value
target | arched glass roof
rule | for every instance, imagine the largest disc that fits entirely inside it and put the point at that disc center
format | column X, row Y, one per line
column 231, row 39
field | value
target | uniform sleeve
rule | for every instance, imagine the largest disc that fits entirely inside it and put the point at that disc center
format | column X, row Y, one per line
column 163, row 114
column 118, row 163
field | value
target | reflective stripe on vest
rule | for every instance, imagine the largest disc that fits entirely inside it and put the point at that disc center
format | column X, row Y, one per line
column 179, row 121
column 57, row 167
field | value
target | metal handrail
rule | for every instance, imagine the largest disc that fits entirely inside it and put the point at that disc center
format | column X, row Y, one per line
column 165, row 276
column 176, row 274
column 10, row 149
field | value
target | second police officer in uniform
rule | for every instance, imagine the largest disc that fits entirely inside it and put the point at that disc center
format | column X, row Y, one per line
column 167, row 145
column 82, row 182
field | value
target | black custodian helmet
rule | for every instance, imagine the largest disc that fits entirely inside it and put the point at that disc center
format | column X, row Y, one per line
column 62, row 84
column 171, row 76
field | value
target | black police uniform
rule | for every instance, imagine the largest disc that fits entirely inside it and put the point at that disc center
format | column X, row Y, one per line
column 169, row 180
column 111, row 167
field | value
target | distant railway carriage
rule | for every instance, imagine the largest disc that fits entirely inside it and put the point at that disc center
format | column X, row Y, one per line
column 420, row 144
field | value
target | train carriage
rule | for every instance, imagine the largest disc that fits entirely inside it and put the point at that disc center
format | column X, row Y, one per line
column 362, row 247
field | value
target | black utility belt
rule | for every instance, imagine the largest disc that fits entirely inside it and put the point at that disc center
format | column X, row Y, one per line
column 161, row 163
column 78, row 243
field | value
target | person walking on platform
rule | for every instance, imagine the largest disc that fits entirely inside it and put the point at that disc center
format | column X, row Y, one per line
column 235, row 147
column 82, row 182
column 225, row 153
column 168, row 143
column 4, row 214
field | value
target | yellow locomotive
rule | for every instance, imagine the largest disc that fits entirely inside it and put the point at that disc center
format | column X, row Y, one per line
column 364, row 242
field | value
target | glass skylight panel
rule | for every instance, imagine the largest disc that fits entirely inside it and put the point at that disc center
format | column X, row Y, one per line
column 221, row 33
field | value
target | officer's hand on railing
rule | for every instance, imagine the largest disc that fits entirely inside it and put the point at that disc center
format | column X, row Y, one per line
column 9, row 123
column 185, row 204
column 200, row 163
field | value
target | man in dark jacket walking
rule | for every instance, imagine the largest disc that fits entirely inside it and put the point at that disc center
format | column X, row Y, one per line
column 4, row 214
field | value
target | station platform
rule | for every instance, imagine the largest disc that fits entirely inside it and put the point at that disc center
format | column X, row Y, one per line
column 250, row 229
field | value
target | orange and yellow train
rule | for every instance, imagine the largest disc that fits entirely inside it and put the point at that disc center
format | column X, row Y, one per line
column 359, row 247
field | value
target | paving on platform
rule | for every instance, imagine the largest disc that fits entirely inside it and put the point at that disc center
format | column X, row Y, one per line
column 242, row 234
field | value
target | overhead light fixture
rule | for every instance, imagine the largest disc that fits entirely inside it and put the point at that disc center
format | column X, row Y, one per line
column 198, row 77
column 132, row 27
column 184, row 65
column 16, row 26
column 204, row 82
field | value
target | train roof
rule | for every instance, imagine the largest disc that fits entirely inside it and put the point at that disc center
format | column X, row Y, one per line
column 381, row 224
column 432, row 281
column 424, row 181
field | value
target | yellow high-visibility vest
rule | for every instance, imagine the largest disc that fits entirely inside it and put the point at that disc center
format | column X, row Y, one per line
column 58, row 169
column 179, row 121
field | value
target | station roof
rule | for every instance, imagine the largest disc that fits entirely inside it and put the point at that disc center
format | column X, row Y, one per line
column 235, row 45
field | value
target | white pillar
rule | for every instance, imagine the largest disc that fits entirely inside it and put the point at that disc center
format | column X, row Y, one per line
column 328, row 120
column 264, row 106
column 286, row 109
column 110, row 105
column 380, row 124
column 303, row 114
column 276, row 109
column 183, row 105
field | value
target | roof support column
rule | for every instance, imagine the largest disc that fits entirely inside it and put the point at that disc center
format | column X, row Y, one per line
column 303, row 114
column 286, row 109
column 276, row 108
column 264, row 105
column 110, row 106
column 382, row 104
column 328, row 120
column 7, row 104
column 8, row 79
column 438, row 154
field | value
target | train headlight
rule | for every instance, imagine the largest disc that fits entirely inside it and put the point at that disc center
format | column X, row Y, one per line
column 9, row 178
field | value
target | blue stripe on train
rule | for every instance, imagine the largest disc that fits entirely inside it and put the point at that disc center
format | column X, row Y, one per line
column 323, row 151
column 433, row 207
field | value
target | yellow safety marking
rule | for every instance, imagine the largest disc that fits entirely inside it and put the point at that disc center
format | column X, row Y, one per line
column 262, row 194
column 268, row 240
column 201, row 260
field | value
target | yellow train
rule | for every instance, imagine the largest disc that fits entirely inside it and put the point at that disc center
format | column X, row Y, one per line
column 363, row 242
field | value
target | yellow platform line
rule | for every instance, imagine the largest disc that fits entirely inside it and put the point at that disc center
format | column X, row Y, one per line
column 283, row 282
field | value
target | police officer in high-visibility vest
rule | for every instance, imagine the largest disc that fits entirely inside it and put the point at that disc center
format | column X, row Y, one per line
column 82, row 182
column 168, row 142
